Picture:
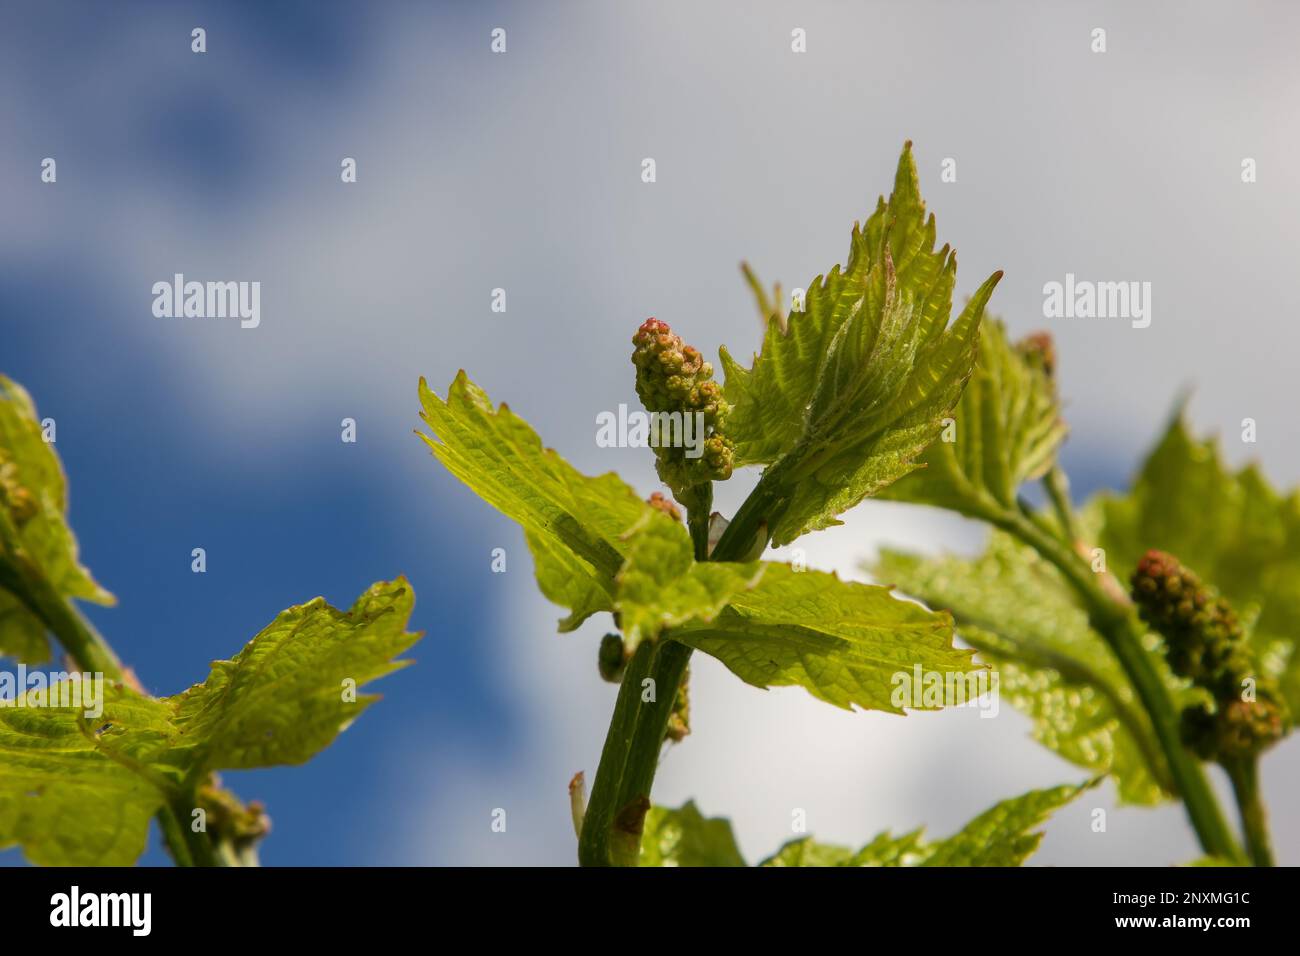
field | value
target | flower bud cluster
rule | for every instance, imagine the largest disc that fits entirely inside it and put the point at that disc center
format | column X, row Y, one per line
column 1204, row 642
column 673, row 377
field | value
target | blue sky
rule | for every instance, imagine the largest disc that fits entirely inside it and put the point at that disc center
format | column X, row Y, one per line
column 301, row 516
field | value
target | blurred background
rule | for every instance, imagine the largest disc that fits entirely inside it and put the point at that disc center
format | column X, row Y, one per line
column 522, row 171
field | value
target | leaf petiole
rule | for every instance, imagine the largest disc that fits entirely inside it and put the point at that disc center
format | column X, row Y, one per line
column 1123, row 635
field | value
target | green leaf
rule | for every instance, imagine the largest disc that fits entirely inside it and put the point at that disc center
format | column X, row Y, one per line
column 1019, row 613
column 843, row 642
column 282, row 699
column 1231, row 528
column 595, row 544
column 1006, row 431
column 685, row 837
column 63, row 798
column 37, row 548
column 575, row 524
column 565, row 579
column 661, row 585
column 806, row 851
column 1000, row 836
column 846, row 394
column 76, row 790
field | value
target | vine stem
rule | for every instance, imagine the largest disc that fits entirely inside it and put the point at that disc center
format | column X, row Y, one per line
column 75, row 634
column 1077, row 672
column 1123, row 635
column 1058, row 490
column 1244, row 774
column 699, row 504
column 173, row 831
column 620, row 795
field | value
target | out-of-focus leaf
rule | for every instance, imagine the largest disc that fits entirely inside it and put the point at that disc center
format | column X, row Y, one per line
column 843, row 642
column 1231, row 528
column 1017, row 611
column 37, row 548
column 1000, row 836
column 685, row 837
column 80, row 790
column 1006, row 431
